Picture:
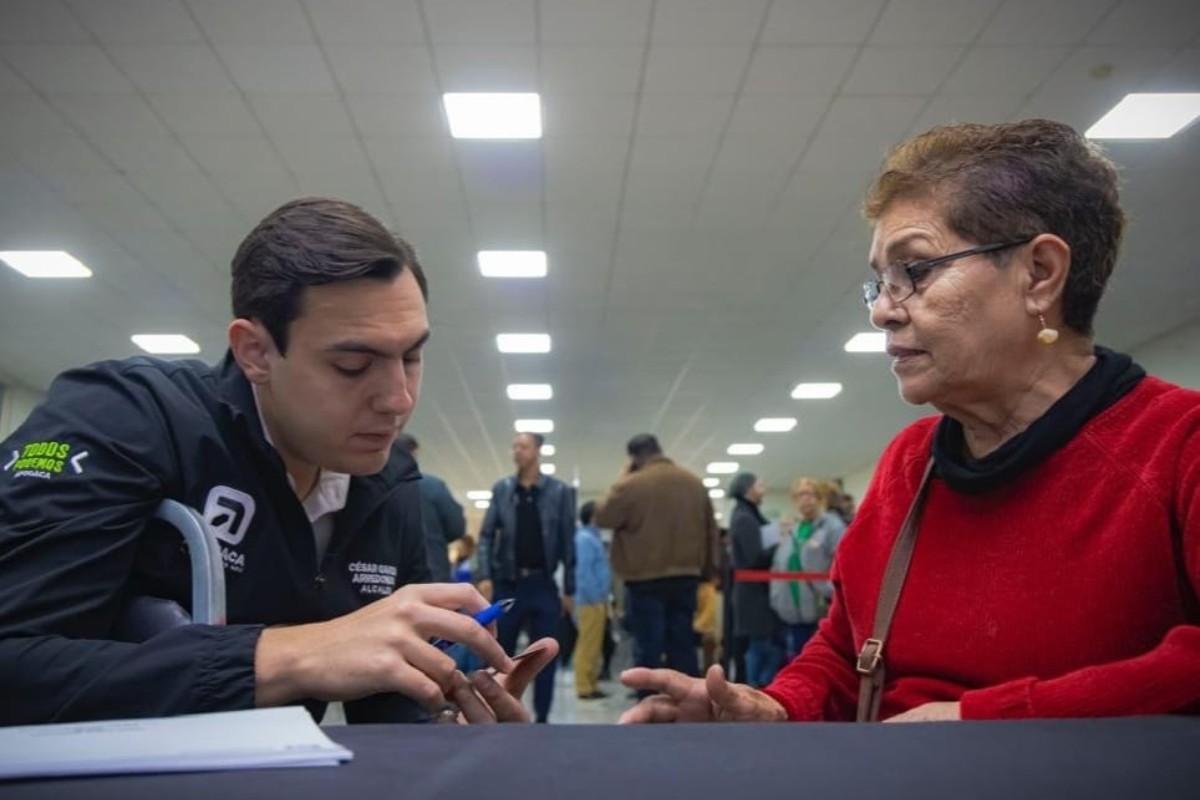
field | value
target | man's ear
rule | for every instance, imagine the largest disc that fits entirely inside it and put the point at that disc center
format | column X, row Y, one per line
column 1047, row 269
column 253, row 348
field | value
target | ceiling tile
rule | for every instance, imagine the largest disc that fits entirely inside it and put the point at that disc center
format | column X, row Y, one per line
column 799, row 70
column 360, row 22
column 146, row 153
column 257, row 192
column 307, row 153
column 1148, row 23
column 683, row 114
column 396, row 154
column 821, row 21
column 277, row 68
column 507, row 225
column 109, row 115
column 27, row 117
column 311, row 114
column 41, row 22
column 220, row 154
column 784, row 118
column 487, row 68
column 481, row 21
column 943, row 22
column 398, row 114
column 205, row 113
column 138, row 21
column 717, row 69
column 945, row 109
column 65, row 67
column 1032, row 22
column 858, row 131
column 901, row 70
column 501, row 172
column 594, row 70
column 1181, row 73
column 11, row 82
column 1004, row 70
column 570, row 115
column 260, row 23
column 382, row 68
column 172, row 68
column 707, row 21
column 68, row 153
column 589, row 23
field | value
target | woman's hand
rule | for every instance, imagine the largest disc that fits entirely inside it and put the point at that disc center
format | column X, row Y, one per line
column 486, row 697
column 708, row 699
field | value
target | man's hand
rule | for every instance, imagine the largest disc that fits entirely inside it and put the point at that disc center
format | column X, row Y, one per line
column 708, row 699
column 485, row 589
column 930, row 712
column 381, row 647
column 485, row 698
column 568, row 605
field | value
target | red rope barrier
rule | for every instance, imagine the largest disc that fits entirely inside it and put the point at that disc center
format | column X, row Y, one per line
column 763, row 575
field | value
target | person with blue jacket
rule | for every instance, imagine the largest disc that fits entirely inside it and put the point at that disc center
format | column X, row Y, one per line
column 593, row 586
column 528, row 531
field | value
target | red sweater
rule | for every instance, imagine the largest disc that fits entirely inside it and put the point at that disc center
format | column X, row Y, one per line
column 1055, row 595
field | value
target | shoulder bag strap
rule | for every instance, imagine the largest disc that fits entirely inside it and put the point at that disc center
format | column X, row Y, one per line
column 870, row 666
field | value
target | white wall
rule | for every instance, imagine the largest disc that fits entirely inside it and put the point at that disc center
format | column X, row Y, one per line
column 18, row 402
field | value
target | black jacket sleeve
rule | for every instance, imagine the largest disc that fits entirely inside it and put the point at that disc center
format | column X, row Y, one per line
column 82, row 476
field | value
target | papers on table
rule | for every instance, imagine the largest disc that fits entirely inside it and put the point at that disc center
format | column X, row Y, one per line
column 267, row 737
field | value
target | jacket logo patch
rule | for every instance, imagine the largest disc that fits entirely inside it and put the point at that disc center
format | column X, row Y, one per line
column 373, row 579
column 228, row 512
column 44, row 460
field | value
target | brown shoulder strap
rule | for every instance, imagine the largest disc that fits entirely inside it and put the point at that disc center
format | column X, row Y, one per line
column 870, row 665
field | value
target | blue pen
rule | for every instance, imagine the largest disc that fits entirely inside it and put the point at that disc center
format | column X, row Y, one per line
column 484, row 618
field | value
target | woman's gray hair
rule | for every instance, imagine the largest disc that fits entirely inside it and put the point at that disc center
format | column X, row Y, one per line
column 741, row 484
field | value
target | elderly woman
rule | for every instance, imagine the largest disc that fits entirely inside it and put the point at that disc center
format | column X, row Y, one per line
column 753, row 618
column 1057, row 548
column 808, row 545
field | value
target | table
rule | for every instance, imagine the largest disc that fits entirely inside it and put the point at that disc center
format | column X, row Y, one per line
column 1147, row 757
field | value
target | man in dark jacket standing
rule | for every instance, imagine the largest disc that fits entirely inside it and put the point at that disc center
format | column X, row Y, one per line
column 664, row 539
column 286, row 447
column 529, row 529
column 441, row 515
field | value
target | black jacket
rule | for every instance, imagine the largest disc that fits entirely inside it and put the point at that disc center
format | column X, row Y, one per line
column 80, row 481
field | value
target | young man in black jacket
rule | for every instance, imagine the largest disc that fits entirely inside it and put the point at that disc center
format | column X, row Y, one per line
column 286, row 448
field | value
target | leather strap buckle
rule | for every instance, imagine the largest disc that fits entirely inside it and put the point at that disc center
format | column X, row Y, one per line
column 869, row 657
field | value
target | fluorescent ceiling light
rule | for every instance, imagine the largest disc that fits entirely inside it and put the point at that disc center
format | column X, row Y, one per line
column 479, row 494
column 534, row 426
column 530, row 391
column 548, row 449
column 712, row 483
column 1147, row 116
column 165, row 343
column 775, row 424
column 548, row 469
column 523, row 342
column 745, row 449
column 482, row 503
column 45, row 264
column 494, row 115
column 722, row 467
column 816, row 391
column 716, row 494
column 512, row 263
column 719, row 516
column 873, row 342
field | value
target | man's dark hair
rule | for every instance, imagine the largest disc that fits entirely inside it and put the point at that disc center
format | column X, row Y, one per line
column 643, row 446
column 408, row 442
column 585, row 512
column 538, row 439
column 312, row 241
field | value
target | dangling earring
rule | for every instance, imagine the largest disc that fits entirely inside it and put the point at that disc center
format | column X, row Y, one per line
column 1046, row 335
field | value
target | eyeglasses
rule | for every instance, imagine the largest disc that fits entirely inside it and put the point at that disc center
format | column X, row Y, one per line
column 900, row 280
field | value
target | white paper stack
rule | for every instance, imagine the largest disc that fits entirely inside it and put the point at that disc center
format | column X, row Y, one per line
column 267, row 737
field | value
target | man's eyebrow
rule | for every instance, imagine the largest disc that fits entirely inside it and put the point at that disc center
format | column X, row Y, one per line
column 359, row 346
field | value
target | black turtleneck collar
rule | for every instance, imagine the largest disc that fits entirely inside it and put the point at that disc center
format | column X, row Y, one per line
column 1112, row 377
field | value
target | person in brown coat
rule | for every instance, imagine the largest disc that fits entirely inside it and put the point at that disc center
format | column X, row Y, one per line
column 664, row 537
